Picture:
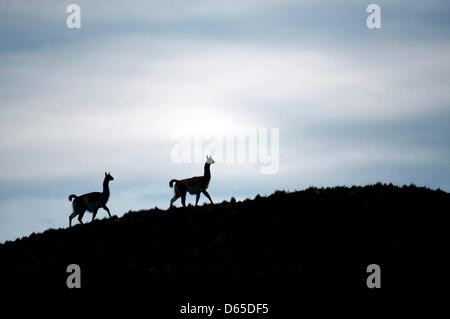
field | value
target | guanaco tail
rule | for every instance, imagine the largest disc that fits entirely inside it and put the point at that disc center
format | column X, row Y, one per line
column 91, row 202
column 194, row 185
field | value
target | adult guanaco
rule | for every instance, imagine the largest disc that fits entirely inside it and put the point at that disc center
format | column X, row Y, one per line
column 91, row 202
column 193, row 185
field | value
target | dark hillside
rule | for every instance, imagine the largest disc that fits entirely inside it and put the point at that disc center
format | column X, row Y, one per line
column 311, row 241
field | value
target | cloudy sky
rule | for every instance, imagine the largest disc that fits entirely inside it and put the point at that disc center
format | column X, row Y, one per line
column 353, row 105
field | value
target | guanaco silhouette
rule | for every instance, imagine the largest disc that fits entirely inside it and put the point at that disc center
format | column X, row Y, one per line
column 193, row 185
column 91, row 202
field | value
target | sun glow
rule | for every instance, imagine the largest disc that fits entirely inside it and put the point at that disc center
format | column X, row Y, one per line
column 207, row 121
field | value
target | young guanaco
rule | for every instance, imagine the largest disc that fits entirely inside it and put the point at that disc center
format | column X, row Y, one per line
column 90, row 202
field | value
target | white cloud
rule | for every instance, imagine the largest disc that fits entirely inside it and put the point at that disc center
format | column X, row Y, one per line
column 71, row 102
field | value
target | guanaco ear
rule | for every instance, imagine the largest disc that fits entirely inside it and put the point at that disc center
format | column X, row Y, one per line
column 105, row 174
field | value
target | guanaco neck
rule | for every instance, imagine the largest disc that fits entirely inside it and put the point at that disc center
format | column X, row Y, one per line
column 207, row 173
column 106, row 188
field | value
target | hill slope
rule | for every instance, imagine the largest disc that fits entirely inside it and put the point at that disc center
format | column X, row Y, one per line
column 305, row 241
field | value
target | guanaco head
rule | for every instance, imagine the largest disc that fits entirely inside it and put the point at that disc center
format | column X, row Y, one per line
column 108, row 177
column 209, row 160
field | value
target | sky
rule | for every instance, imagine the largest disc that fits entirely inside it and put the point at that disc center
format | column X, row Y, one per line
column 352, row 105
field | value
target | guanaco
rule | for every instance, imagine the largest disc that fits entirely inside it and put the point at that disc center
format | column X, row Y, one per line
column 91, row 202
column 194, row 185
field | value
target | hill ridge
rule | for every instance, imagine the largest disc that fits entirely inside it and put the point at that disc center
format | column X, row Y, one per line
column 313, row 238
column 155, row 209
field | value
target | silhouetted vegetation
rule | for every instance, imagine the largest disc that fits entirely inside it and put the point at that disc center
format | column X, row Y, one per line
column 286, row 243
